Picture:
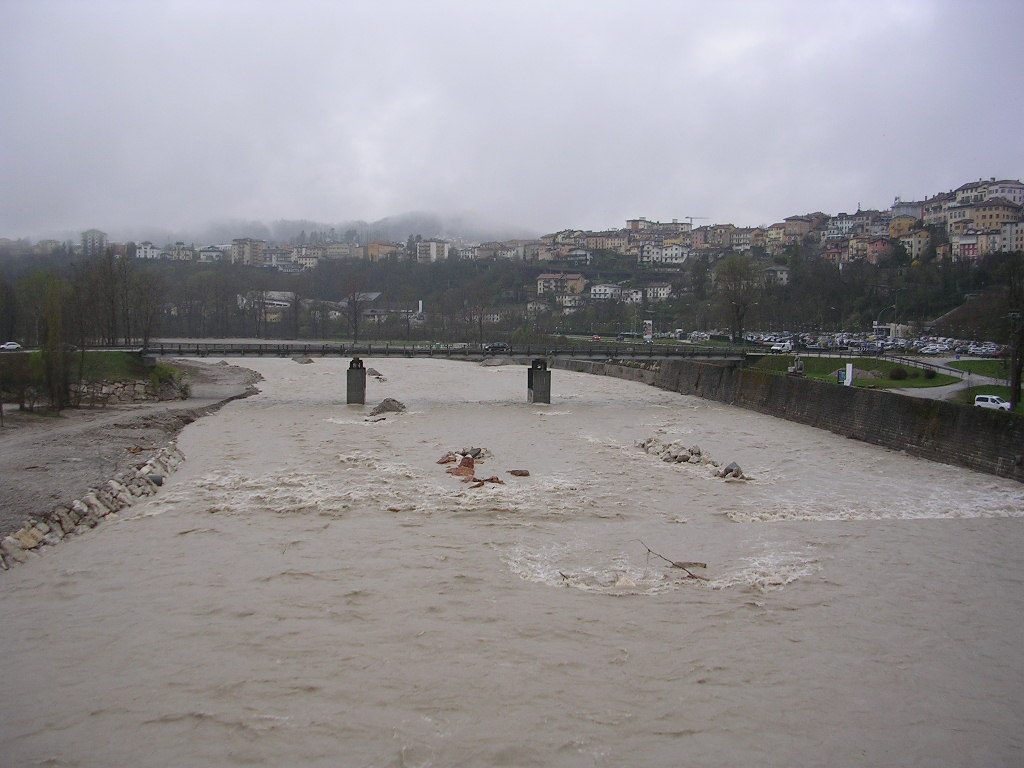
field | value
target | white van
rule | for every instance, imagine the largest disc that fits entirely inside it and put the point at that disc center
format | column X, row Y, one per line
column 784, row 346
column 991, row 401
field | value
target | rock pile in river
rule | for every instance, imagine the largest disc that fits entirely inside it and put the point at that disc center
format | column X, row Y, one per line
column 467, row 460
column 388, row 405
column 677, row 452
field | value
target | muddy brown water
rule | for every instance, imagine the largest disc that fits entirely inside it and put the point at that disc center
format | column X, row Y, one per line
column 312, row 589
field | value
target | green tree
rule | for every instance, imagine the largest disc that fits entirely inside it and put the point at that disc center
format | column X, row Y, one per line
column 8, row 310
column 1014, row 273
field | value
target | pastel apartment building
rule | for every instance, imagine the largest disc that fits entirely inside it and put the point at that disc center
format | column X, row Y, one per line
column 247, row 251
column 560, row 283
column 94, row 242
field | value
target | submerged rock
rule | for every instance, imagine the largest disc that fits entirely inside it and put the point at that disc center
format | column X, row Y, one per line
column 732, row 469
column 388, row 405
column 302, row 360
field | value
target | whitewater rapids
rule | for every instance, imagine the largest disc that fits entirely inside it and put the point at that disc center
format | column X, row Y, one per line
column 312, row 589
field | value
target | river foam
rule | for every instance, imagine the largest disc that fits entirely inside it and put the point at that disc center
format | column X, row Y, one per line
column 312, row 588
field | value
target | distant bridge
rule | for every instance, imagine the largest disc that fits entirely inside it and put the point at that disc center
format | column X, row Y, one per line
column 444, row 351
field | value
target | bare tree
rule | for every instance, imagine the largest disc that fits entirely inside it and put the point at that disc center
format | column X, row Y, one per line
column 147, row 301
column 56, row 372
column 737, row 284
column 355, row 300
column 125, row 269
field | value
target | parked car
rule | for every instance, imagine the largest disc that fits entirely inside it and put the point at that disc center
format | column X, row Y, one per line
column 10, row 346
column 497, row 348
column 991, row 401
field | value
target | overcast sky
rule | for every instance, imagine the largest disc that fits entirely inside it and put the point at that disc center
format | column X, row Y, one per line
column 544, row 115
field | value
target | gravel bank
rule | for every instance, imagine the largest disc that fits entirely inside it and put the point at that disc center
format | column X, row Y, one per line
column 48, row 460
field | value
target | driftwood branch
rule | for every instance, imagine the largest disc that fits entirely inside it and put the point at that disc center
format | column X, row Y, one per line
column 683, row 565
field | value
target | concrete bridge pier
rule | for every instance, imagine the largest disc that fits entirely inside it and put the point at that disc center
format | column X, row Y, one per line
column 538, row 382
column 356, row 394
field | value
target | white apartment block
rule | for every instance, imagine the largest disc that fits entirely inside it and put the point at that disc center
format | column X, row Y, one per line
column 1011, row 237
column 633, row 295
column 964, row 247
column 742, row 239
column 1011, row 190
column 210, row 254
column 570, row 300
column 913, row 209
column 839, row 227
column 277, row 257
column 916, row 243
column 649, row 254
column 673, row 254
column 658, row 292
column 182, row 252
column 776, row 275
column 429, row 251
column 981, row 190
column 605, row 292
column 146, row 250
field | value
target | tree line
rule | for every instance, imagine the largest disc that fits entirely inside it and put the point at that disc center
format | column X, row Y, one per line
column 108, row 299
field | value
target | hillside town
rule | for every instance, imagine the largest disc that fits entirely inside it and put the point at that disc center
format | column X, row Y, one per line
column 962, row 225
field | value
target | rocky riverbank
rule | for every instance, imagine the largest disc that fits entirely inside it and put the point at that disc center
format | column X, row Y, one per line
column 47, row 461
column 90, row 510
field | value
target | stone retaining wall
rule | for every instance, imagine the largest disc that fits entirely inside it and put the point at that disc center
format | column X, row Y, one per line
column 117, row 392
column 951, row 433
column 89, row 511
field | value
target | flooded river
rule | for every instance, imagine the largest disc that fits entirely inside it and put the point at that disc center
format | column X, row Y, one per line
column 312, row 589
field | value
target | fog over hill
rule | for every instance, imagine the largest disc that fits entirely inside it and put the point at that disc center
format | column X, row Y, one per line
column 465, row 227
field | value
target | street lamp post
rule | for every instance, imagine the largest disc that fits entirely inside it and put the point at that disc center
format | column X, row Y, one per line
column 878, row 320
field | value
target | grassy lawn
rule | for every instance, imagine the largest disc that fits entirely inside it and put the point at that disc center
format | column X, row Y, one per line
column 823, row 369
column 996, row 369
column 109, row 366
column 967, row 396
column 115, row 366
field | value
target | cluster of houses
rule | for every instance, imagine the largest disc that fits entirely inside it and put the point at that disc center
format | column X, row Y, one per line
column 569, row 292
column 964, row 224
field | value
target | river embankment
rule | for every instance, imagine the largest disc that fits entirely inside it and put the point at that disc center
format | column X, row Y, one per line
column 50, row 460
column 311, row 586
